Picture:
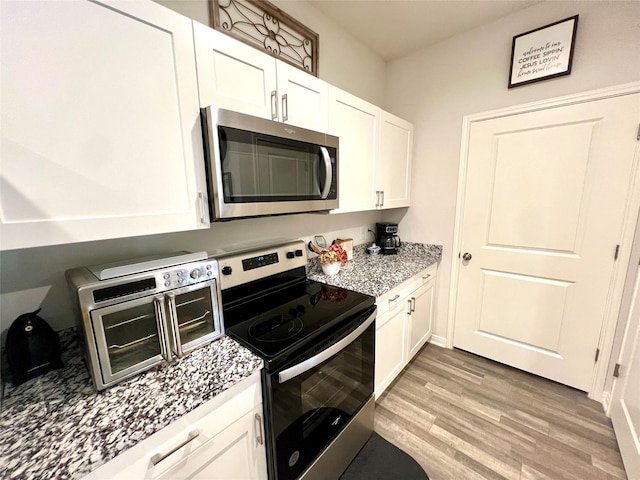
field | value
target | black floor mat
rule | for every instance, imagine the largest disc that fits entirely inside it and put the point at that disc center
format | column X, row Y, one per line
column 381, row 460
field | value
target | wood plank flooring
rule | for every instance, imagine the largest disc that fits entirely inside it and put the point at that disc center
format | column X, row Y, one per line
column 465, row 417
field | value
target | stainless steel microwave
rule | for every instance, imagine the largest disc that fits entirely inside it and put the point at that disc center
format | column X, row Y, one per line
column 258, row 167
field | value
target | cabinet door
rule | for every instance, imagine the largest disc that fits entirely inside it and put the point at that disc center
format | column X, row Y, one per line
column 234, row 76
column 356, row 122
column 390, row 347
column 238, row 452
column 420, row 317
column 394, row 161
column 304, row 98
column 100, row 122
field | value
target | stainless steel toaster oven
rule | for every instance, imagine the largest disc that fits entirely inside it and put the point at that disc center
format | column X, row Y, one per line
column 139, row 314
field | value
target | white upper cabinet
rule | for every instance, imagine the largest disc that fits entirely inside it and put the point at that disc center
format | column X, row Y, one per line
column 394, row 161
column 235, row 76
column 100, row 122
column 356, row 122
column 374, row 156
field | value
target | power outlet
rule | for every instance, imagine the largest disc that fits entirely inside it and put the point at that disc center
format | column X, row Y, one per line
column 363, row 234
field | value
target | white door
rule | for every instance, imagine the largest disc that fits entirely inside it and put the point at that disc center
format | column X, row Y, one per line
column 233, row 75
column 394, row 161
column 304, row 99
column 625, row 404
column 543, row 211
column 356, row 123
column 100, row 122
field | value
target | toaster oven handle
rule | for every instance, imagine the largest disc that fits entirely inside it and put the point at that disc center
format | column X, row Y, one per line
column 328, row 172
column 316, row 360
column 173, row 318
column 158, row 303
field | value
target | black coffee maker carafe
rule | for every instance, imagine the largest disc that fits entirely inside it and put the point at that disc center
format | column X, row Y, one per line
column 387, row 237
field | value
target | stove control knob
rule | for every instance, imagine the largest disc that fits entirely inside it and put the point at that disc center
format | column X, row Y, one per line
column 195, row 273
column 298, row 253
column 290, row 255
column 226, row 270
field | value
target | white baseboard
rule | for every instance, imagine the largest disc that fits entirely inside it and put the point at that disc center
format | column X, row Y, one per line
column 438, row 341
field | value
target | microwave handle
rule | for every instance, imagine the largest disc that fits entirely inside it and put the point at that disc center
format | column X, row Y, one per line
column 316, row 360
column 173, row 319
column 165, row 351
column 328, row 172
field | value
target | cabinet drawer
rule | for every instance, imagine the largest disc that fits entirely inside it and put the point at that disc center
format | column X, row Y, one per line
column 208, row 420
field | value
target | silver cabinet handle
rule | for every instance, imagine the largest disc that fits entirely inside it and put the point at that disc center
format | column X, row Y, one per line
column 201, row 204
column 259, row 437
column 285, row 108
column 327, row 353
column 424, row 277
column 391, row 300
column 409, row 306
column 158, row 304
column 328, row 172
column 382, row 202
column 173, row 317
column 274, row 105
column 412, row 302
column 378, row 204
column 158, row 457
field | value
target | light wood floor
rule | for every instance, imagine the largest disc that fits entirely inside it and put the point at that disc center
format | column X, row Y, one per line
column 465, row 417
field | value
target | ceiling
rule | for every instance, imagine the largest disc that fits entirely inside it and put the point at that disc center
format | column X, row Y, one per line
column 394, row 28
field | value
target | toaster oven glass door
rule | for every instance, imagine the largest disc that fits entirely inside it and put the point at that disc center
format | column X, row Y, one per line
column 193, row 313
column 129, row 337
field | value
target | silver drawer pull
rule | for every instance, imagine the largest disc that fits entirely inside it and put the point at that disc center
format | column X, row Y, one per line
column 394, row 298
column 426, row 276
column 259, row 437
column 158, row 457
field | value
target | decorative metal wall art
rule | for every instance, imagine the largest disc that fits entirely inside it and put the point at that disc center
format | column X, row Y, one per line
column 264, row 26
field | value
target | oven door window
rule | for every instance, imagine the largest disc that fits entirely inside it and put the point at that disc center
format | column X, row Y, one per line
column 310, row 409
column 127, row 337
column 261, row 168
column 194, row 314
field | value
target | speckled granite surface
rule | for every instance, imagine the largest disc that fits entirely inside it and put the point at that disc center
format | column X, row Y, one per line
column 58, row 426
column 377, row 274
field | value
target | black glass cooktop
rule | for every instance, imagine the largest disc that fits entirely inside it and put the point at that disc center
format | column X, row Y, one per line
column 280, row 322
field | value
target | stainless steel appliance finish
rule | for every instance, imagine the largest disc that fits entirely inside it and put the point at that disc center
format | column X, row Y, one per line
column 318, row 346
column 145, row 318
column 259, row 167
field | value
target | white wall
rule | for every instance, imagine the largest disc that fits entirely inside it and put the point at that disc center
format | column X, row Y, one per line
column 34, row 278
column 434, row 88
column 343, row 61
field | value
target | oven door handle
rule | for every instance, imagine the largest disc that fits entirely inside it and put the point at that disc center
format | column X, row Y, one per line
column 308, row 364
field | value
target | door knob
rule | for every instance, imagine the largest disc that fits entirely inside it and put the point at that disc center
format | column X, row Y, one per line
column 466, row 256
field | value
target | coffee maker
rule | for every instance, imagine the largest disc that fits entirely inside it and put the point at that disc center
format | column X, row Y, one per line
column 387, row 237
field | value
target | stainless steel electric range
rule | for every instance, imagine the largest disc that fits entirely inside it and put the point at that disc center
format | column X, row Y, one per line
column 318, row 345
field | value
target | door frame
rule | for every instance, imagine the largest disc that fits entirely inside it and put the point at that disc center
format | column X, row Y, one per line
column 607, row 332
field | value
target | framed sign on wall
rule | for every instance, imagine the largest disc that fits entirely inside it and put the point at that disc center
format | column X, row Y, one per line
column 543, row 53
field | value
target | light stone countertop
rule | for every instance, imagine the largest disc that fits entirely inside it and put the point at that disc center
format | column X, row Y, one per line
column 58, row 426
column 377, row 274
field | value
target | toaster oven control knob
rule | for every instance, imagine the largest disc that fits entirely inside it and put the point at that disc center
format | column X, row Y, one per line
column 298, row 253
column 195, row 273
column 290, row 255
column 226, row 270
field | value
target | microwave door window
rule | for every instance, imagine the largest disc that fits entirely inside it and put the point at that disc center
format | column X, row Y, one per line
column 262, row 168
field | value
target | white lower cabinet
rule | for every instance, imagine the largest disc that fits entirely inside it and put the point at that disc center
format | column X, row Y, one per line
column 222, row 439
column 403, row 326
